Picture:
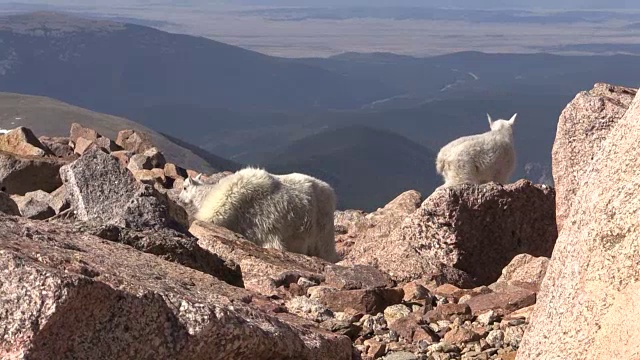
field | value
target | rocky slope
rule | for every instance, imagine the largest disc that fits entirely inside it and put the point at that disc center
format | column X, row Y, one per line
column 98, row 260
column 54, row 118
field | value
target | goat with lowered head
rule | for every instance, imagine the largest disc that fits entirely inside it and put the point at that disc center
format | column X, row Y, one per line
column 292, row 212
column 481, row 158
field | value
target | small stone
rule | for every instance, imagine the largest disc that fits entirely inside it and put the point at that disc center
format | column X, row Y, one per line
column 511, row 322
column 376, row 348
column 441, row 300
column 82, row 145
column 401, row 355
column 486, row 318
column 490, row 351
column 368, row 301
column 123, row 156
column 508, row 355
column 444, row 347
column 513, row 335
column 395, row 312
column 175, row 172
column 415, row 292
column 308, row 308
column 460, row 335
column 134, row 141
column 107, row 144
column 425, row 335
column 348, row 315
column 372, row 323
column 177, row 184
column 58, row 200
column 139, row 162
column 341, row 327
column 316, row 292
column 156, row 158
column 78, row 131
column 523, row 314
column 449, row 312
column 507, row 300
column 423, row 345
column 448, row 291
column 405, row 327
column 495, row 338
column 435, row 327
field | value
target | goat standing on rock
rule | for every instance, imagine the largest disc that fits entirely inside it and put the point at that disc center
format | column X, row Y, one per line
column 292, row 212
column 481, row 158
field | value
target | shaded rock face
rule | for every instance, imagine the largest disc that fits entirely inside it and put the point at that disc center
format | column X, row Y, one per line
column 583, row 126
column 59, row 146
column 463, row 235
column 22, row 174
column 593, row 279
column 101, row 190
column 7, row 205
column 86, row 298
column 479, row 229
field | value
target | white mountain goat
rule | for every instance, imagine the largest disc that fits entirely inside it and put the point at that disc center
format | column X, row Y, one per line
column 481, row 158
column 292, row 212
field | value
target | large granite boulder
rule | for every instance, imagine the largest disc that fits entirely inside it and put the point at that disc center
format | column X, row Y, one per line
column 585, row 307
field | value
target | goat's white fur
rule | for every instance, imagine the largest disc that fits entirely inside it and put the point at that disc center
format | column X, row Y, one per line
column 481, row 158
column 292, row 212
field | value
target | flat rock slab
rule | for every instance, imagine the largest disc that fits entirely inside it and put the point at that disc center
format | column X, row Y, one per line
column 504, row 301
column 169, row 245
column 263, row 270
column 367, row 301
column 81, row 297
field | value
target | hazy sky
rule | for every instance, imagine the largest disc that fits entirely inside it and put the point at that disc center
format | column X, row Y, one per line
column 471, row 4
column 465, row 4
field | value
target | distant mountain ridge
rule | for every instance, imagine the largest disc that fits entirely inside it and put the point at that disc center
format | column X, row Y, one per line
column 113, row 67
column 367, row 167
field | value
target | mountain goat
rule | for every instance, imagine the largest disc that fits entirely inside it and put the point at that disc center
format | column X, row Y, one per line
column 481, row 158
column 292, row 212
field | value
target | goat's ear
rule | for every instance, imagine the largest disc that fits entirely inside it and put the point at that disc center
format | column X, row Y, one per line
column 197, row 180
column 489, row 118
column 513, row 119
